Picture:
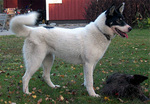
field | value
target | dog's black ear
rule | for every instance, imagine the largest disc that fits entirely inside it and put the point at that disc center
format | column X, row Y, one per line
column 137, row 79
column 121, row 8
column 111, row 10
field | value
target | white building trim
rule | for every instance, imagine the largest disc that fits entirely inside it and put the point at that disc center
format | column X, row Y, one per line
column 47, row 6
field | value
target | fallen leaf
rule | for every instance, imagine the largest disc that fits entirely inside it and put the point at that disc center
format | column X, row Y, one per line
column 33, row 92
column 40, row 91
column 103, row 79
column 145, row 61
column 74, row 92
column 134, row 61
column 61, row 98
column 20, row 81
column 39, row 101
column 5, row 79
column 120, row 100
column 67, row 90
column 81, row 74
column 61, row 92
column 106, row 98
column 72, row 81
column 5, row 102
column 64, row 87
column 54, row 101
column 67, row 102
column 21, row 66
column 34, row 89
column 97, row 88
column 46, row 98
column 17, row 92
column 111, row 70
column 9, row 102
column 1, row 71
column 141, row 60
column 62, row 76
column 10, row 92
column 1, row 100
column 146, row 90
column 72, row 67
column 34, row 96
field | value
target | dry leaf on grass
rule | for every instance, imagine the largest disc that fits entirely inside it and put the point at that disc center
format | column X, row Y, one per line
column 61, row 98
column 39, row 101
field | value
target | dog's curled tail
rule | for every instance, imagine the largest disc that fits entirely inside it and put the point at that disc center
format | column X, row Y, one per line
column 18, row 23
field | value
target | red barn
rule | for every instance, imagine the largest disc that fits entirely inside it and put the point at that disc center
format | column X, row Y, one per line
column 55, row 9
column 36, row 4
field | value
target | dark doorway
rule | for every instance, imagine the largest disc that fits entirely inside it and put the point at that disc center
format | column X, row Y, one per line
column 34, row 4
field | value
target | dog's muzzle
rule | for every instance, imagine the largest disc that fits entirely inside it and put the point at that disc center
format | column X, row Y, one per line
column 122, row 31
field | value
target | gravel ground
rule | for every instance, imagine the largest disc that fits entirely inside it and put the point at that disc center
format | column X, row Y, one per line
column 5, row 32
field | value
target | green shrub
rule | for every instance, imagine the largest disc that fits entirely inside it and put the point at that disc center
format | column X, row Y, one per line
column 132, row 7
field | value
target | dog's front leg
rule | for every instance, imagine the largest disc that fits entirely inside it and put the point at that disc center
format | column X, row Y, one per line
column 88, row 79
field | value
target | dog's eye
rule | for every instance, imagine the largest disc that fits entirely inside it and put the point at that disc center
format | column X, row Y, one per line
column 111, row 23
column 119, row 20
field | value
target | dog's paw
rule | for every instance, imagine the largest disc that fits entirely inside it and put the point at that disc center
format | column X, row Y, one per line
column 28, row 93
column 57, row 86
column 95, row 95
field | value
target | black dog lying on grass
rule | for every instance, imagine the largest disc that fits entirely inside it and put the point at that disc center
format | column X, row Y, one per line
column 123, row 85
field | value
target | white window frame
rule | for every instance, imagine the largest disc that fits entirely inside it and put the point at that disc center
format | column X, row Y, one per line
column 47, row 6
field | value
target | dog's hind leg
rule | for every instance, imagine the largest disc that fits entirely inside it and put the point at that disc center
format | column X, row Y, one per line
column 33, row 59
column 27, row 76
column 47, row 65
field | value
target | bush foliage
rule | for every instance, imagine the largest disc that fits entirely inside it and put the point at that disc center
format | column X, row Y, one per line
column 133, row 9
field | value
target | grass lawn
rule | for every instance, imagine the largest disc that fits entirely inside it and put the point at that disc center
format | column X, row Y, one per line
column 130, row 56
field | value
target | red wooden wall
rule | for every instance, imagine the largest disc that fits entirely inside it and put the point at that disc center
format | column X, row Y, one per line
column 68, row 10
column 10, row 3
column 36, row 4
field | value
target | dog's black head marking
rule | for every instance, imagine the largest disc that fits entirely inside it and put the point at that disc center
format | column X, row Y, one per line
column 111, row 10
column 116, row 21
column 114, row 16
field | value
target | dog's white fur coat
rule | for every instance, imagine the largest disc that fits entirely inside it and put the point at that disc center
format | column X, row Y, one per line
column 85, row 45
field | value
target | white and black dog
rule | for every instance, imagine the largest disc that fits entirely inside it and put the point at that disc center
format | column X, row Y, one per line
column 84, row 45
